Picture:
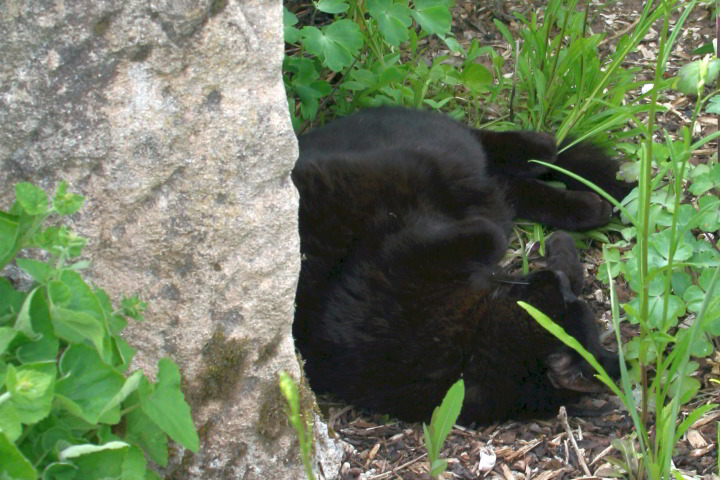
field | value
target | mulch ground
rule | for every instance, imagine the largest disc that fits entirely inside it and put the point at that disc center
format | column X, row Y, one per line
column 570, row 448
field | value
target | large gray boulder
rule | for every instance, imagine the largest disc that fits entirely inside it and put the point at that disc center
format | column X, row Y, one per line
column 171, row 118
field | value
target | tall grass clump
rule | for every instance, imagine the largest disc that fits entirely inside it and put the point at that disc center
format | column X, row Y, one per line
column 670, row 270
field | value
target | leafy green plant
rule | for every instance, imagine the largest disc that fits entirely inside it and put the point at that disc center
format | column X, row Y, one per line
column 441, row 423
column 371, row 55
column 671, row 271
column 299, row 421
column 69, row 407
column 561, row 81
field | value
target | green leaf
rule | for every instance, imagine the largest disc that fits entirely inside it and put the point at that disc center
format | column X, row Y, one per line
column 710, row 221
column 437, row 467
column 125, row 354
column 432, row 454
column 45, row 348
column 75, row 327
column 505, row 32
column 9, row 229
column 335, row 45
column 66, row 203
column 40, row 271
column 59, row 293
column 12, row 300
column 131, row 384
column 10, row 424
column 332, row 6
column 445, row 416
column 690, row 75
column 701, row 184
column 694, row 297
column 59, row 471
column 28, row 385
column 141, row 430
column 83, row 298
column 32, row 199
column 393, row 19
column 98, row 462
column 87, row 385
column 31, row 392
column 23, row 322
column 7, row 335
column 289, row 18
column 704, row 49
column 441, row 423
column 168, row 409
column 433, row 16
column 14, row 465
column 476, row 76
column 134, row 465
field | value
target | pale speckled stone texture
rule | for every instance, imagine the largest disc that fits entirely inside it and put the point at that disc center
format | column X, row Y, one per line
column 171, row 118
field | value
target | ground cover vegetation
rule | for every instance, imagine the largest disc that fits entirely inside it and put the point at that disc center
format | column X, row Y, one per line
column 70, row 408
column 351, row 54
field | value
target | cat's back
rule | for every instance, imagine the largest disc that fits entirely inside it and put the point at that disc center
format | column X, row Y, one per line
column 392, row 129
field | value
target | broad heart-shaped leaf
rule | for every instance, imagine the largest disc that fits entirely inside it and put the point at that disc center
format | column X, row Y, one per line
column 13, row 464
column 32, row 199
column 75, row 327
column 393, row 19
column 433, row 16
column 689, row 75
column 40, row 271
column 713, row 105
column 10, row 424
column 336, row 44
column 676, row 308
column 292, row 34
column 99, row 462
column 83, row 298
column 87, row 385
column 711, row 220
column 701, row 184
column 66, row 203
column 476, row 76
column 31, row 392
column 141, row 430
column 7, row 335
column 9, row 229
column 168, row 409
column 332, row 6
column 12, row 300
column 289, row 18
column 59, row 471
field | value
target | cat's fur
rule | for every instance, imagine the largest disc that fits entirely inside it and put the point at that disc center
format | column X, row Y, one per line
column 404, row 216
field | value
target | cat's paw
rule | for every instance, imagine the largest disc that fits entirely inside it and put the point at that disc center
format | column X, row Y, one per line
column 587, row 210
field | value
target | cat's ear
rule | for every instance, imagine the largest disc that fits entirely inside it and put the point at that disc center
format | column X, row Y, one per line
column 508, row 152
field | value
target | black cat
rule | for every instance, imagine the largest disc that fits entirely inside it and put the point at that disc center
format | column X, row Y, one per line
column 404, row 216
